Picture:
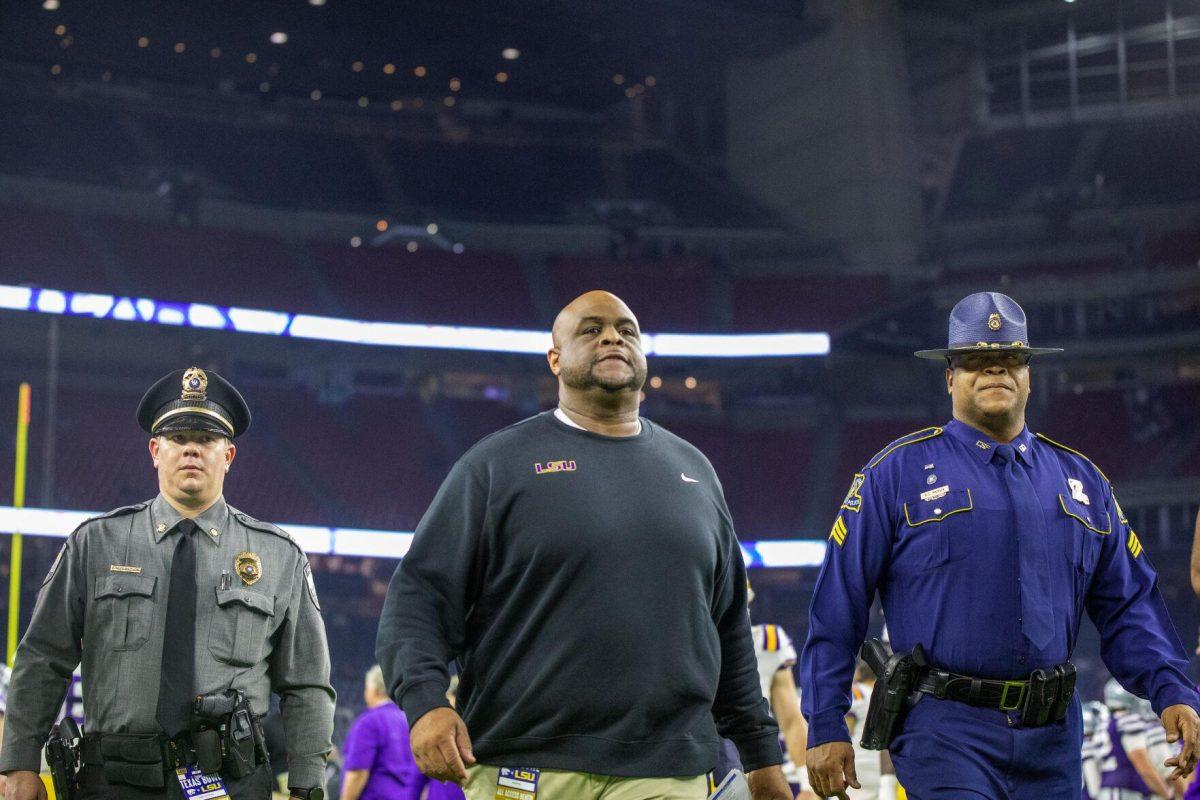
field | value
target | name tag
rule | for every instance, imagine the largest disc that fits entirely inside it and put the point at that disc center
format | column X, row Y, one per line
column 934, row 494
column 196, row 785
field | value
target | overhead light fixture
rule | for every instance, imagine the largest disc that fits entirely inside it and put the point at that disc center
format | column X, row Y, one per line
column 510, row 53
column 316, row 2
column 278, row 37
column 50, row 5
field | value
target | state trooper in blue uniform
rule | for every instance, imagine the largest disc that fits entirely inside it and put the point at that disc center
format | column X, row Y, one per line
column 986, row 543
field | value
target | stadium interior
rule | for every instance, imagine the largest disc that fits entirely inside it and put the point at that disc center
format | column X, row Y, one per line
column 725, row 166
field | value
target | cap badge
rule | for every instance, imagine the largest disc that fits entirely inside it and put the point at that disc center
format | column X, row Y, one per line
column 195, row 385
column 248, row 567
column 994, row 321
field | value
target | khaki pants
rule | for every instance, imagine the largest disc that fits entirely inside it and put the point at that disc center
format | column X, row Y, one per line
column 557, row 784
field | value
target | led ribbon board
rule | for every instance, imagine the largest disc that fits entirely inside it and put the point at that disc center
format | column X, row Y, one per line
column 386, row 334
column 385, row 544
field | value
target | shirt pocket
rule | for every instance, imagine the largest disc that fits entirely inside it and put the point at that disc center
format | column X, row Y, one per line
column 1083, row 526
column 124, row 607
column 936, row 529
column 238, row 632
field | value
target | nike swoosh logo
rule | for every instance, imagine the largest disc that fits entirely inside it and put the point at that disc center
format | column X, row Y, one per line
column 686, row 479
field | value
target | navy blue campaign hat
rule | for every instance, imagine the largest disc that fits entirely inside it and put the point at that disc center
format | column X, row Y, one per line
column 987, row 322
column 193, row 400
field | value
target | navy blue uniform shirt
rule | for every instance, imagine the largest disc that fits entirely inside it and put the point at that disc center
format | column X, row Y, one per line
column 929, row 524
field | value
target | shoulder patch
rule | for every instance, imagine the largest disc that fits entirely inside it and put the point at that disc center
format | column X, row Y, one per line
column 911, row 438
column 1062, row 446
column 312, row 587
column 853, row 501
column 54, row 567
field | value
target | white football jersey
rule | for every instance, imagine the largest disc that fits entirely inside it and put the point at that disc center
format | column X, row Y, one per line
column 775, row 651
column 866, row 762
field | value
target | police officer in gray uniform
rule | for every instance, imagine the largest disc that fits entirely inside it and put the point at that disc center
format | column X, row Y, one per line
column 178, row 598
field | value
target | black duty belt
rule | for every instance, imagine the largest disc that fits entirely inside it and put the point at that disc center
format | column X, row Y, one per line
column 1041, row 698
column 136, row 759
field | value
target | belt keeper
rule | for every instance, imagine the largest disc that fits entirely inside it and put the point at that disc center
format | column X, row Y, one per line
column 975, row 690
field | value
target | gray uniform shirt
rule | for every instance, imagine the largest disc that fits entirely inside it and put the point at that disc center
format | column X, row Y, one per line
column 105, row 602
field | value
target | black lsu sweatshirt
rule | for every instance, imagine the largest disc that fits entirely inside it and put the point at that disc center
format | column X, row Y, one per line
column 594, row 594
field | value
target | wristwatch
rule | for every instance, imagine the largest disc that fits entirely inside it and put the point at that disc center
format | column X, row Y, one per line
column 307, row 794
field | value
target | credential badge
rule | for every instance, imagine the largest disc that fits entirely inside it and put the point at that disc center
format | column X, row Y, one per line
column 993, row 322
column 195, row 385
column 248, row 567
column 1077, row 491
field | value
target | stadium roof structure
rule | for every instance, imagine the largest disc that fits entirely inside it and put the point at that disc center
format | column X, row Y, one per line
column 582, row 56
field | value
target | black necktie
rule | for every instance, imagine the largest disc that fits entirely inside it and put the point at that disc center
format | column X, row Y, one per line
column 1037, row 606
column 177, row 685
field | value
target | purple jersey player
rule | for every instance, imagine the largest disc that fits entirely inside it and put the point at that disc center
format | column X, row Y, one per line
column 1125, row 735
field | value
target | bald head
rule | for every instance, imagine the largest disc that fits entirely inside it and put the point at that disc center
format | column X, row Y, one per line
column 597, row 304
column 597, row 350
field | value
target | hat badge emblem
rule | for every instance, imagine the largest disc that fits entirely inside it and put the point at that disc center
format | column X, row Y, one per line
column 994, row 321
column 195, row 385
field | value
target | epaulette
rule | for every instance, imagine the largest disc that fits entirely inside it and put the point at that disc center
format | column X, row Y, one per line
column 266, row 527
column 1062, row 446
column 116, row 512
column 907, row 439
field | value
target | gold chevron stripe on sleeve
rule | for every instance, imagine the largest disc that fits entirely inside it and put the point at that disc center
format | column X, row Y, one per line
column 838, row 534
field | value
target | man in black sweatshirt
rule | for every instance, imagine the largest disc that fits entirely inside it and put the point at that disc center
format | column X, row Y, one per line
column 583, row 569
